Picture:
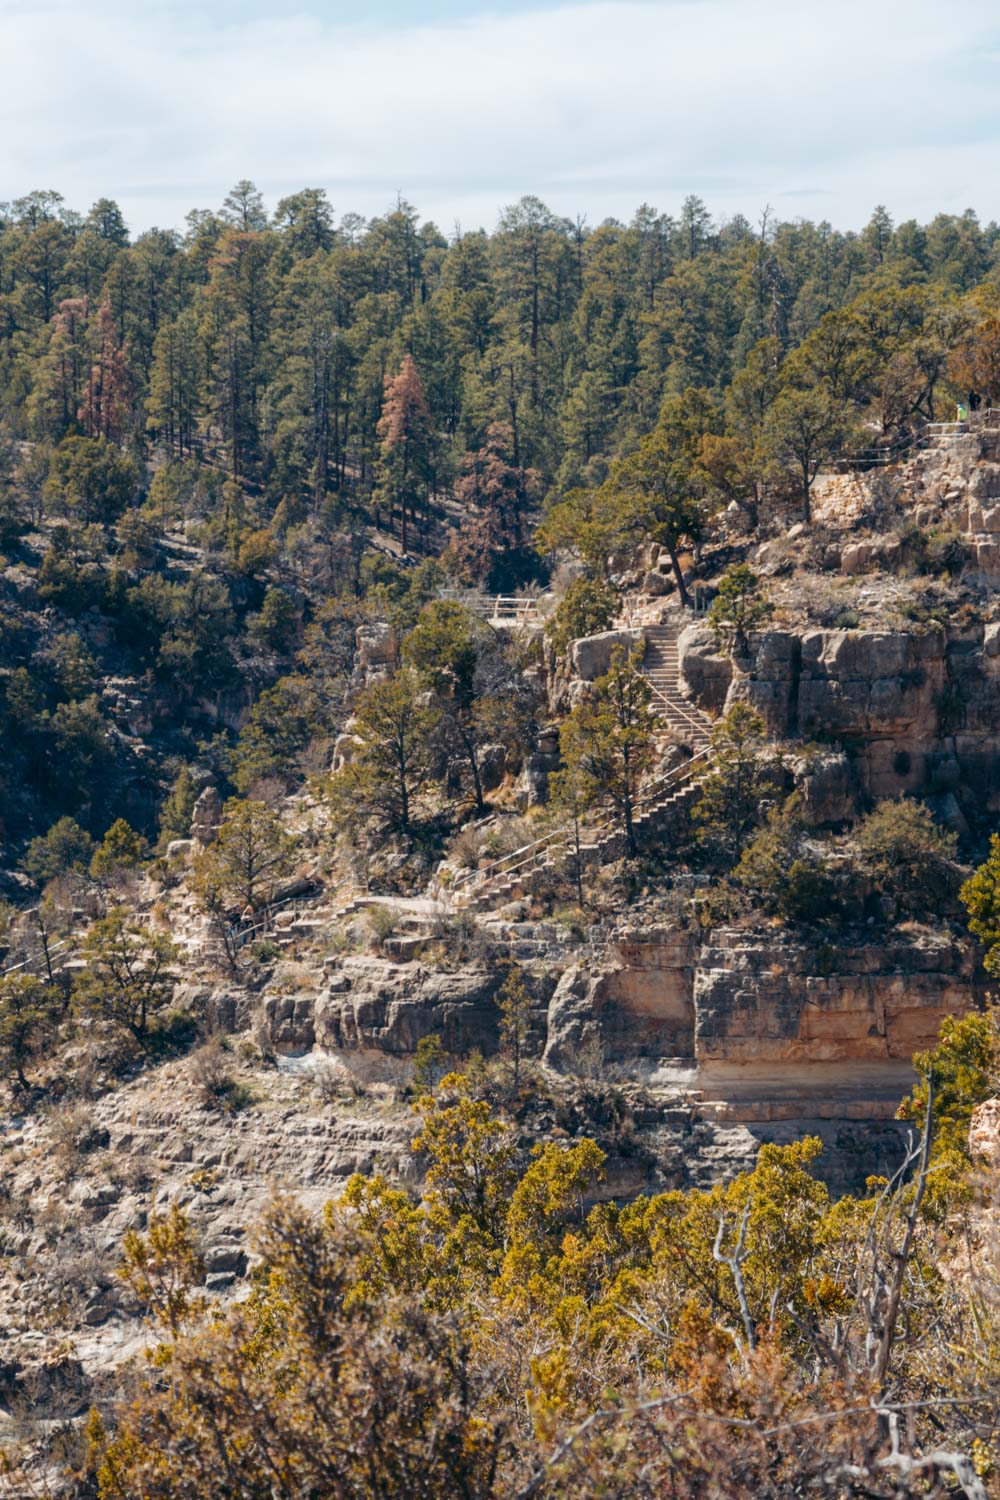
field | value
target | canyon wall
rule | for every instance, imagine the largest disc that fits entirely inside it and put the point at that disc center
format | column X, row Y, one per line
column 918, row 710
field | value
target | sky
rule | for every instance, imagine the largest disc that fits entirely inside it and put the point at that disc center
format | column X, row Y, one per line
column 820, row 110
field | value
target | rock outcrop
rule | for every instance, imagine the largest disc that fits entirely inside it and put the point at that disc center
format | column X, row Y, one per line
column 770, row 1025
column 206, row 816
column 919, row 710
column 638, row 1004
column 590, row 656
column 758, row 999
column 370, row 1003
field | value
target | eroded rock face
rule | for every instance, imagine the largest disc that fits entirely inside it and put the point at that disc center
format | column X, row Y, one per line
column 704, row 671
column 828, row 791
column 758, row 999
column 372, row 1003
column 375, row 650
column 640, row 1003
column 920, row 710
column 590, row 657
column 206, row 816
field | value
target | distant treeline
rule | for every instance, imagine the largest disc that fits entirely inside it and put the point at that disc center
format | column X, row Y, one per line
column 262, row 342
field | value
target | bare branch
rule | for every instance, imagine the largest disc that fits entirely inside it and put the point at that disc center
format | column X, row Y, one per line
column 903, row 1256
column 735, row 1264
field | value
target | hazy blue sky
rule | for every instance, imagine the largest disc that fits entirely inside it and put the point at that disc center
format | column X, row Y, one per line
column 820, row 109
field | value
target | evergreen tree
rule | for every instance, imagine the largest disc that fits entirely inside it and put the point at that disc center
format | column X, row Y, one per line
column 406, row 439
column 739, row 787
column 608, row 740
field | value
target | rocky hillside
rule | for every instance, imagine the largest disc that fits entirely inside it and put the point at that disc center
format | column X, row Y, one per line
column 681, row 846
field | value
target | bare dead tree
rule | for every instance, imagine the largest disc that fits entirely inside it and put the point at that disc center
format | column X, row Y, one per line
column 735, row 1264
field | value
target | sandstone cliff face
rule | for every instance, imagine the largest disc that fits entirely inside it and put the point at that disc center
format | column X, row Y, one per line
column 639, row 1004
column 373, row 1004
column 919, row 710
column 767, row 1001
column 757, row 1000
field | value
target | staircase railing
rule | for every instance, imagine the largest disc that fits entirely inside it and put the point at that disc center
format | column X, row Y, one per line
column 891, row 453
column 559, row 837
column 702, row 728
column 43, row 958
column 494, row 606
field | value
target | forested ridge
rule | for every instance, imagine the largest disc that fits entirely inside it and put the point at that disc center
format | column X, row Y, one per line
column 205, row 437
column 261, row 343
column 267, row 768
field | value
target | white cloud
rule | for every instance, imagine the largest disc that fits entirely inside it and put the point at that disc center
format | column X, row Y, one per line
column 818, row 109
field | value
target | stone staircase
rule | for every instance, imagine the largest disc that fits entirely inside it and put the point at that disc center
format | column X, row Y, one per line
column 681, row 723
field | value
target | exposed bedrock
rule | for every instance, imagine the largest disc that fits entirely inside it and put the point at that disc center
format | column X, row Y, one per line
column 761, row 1001
column 375, row 1004
column 919, row 711
column 771, row 1026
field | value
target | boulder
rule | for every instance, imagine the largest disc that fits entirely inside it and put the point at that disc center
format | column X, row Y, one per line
column 590, row 656
column 827, row 789
column 375, row 648
column 345, row 747
column 704, row 670
column 207, row 816
column 492, row 766
column 856, row 558
column 655, row 584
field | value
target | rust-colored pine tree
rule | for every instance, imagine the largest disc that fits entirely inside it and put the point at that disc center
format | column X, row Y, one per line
column 108, row 398
column 405, row 433
column 497, row 495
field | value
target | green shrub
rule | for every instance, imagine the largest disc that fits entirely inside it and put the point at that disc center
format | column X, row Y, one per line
column 739, row 607
column 785, row 872
column 907, row 855
column 65, row 847
column 587, row 607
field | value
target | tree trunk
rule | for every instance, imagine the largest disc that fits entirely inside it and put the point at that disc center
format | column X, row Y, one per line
column 578, row 858
column 477, row 781
column 631, row 848
column 685, row 598
column 404, row 802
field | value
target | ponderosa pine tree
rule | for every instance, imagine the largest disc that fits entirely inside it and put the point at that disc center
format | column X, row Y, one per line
column 406, row 438
column 803, row 429
column 650, row 495
column 607, row 741
column 393, row 724
column 492, row 547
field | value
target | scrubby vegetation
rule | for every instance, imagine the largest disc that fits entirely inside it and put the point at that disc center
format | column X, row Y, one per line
column 502, row 1338
column 267, row 489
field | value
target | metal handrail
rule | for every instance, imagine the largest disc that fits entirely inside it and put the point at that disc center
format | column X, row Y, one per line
column 689, row 718
column 492, row 606
column 39, row 956
column 267, row 914
column 500, row 866
column 909, row 441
